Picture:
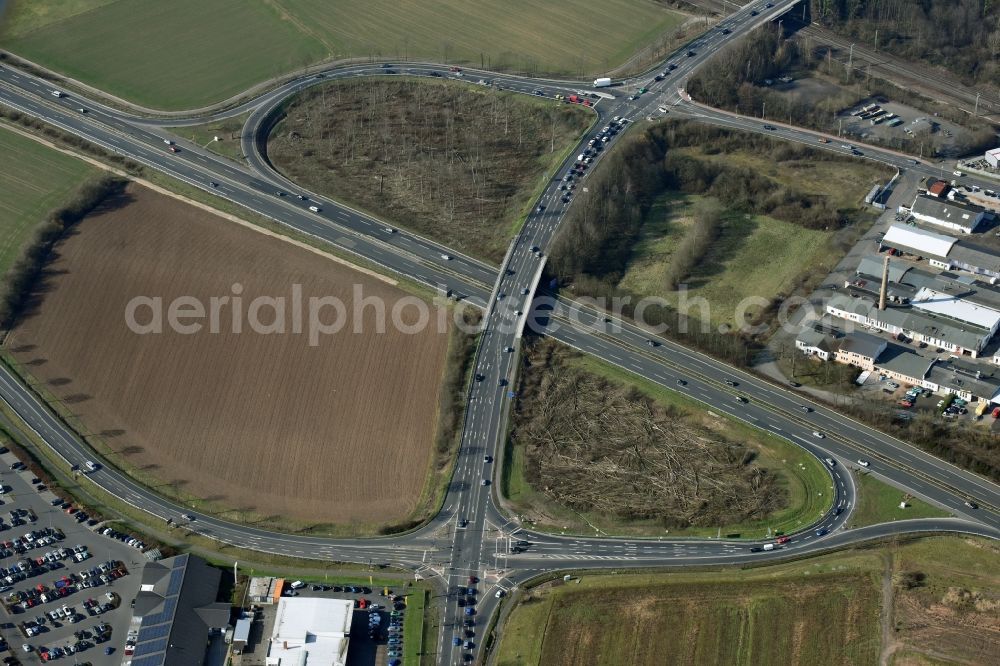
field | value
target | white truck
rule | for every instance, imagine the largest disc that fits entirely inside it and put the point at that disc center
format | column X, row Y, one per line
column 602, row 82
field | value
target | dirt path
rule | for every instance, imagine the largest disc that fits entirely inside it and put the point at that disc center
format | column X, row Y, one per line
column 889, row 645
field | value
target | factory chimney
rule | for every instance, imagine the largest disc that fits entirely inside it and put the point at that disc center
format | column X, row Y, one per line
column 885, row 283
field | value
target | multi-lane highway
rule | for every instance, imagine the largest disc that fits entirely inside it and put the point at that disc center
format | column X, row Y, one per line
column 472, row 535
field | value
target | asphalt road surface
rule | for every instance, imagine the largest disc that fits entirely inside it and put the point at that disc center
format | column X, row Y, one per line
column 472, row 535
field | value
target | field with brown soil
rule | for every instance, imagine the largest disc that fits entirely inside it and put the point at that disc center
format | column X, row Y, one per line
column 265, row 424
column 456, row 162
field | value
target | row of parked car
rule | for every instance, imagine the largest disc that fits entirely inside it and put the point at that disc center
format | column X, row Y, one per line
column 83, row 639
column 22, row 600
column 69, row 509
column 127, row 539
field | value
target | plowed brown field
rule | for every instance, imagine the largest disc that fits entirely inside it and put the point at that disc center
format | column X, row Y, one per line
column 337, row 433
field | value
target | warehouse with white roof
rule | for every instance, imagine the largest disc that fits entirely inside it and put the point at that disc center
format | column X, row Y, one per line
column 957, row 309
column 942, row 251
column 918, row 242
column 993, row 158
column 310, row 631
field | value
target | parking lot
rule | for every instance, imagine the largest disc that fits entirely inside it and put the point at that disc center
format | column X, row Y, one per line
column 66, row 589
column 377, row 635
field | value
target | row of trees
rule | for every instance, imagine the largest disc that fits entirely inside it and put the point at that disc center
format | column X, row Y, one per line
column 689, row 252
column 962, row 36
column 23, row 277
column 735, row 78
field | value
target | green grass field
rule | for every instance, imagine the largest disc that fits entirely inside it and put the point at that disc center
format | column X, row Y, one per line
column 803, row 477
column 34, row 179
column 754, row 256
column 822, row 612
column 879, row 503
column 185, row 53
column 167, row 55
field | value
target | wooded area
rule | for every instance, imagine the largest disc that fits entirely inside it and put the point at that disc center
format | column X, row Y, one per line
column 735, row 79
column 963, row 36
column 600, row 447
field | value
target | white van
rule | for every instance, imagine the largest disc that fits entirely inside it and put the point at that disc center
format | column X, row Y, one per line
column 297, row 585
column 314, row 209
column 57, row 93
column 768, row 546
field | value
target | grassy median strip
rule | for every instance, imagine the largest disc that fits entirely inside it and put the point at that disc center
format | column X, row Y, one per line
column 879, row 502
column 413, row 626
column 221, row 137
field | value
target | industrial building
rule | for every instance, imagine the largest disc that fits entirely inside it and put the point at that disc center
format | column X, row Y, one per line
column 967, row 380
column 175, row 613
column 992, row 158
column 310, row 631
column 860, row 350
column 819, row 340
column 942, row 251
column 952, row 215
column 934, row 326
column 907, row 284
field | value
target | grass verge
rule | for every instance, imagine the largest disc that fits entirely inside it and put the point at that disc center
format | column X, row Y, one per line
column 878, row 502
column 413, row 625
column 221, row 137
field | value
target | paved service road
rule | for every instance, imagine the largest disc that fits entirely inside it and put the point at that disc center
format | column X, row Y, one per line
column 472, row 536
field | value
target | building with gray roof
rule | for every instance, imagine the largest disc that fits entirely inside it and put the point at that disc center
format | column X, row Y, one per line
column 904, row 365
column 969, row 381
column 932, row 328
column 176, row 612
column 953, row 215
